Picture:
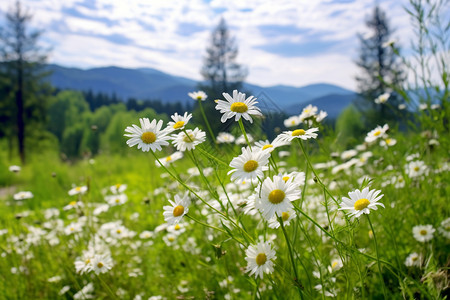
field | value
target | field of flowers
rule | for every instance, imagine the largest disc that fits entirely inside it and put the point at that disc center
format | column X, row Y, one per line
column 189, row 215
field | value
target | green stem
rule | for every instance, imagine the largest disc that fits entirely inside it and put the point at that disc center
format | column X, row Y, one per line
column 206, row 122
column 291, row 255
column 378, row 258
column 204, row 224
column 112, row 295
column 241, row 125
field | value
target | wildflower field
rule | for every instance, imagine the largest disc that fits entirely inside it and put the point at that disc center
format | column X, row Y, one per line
column 188, row 215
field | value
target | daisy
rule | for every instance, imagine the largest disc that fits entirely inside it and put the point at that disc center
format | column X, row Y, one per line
column 297, row 178
column 307, row 112
column 416, row 168
column 444, row 229
column 101, row 263
column 382, row 98
column 260, row 259
column 170, row 159
column 269, row 146
column 23, row 195
column 292, row 121
column 178, row 208
column 275, row 197
column 85, row 292
column 225, row 137
column 199, row 95
column 14, row 169
column 115, row 200
column 78, row 190
column 241, row 140
column 146, row 234
column 413, row 260
column 336, row 264
column 249, row 165
column 287, row 216
column 322, row 115
column 83, row 264
column 118, row 188
column 376, row 133
column 423, row 233
column 388, row 142
column 288, row 136
column 179, row 121
column 360, row 202
column 147, row 137
column 189, row 139
column 237, row 107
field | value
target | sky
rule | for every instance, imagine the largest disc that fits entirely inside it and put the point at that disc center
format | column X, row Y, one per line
column 287, row 42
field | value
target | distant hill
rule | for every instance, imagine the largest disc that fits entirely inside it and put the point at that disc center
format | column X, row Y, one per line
column 147, row 83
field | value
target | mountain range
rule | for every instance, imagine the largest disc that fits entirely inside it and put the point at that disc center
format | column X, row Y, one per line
column 147, row 83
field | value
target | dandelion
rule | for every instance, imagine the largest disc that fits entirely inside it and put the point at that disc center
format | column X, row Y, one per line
column 383, row 98
column 444, row 229
column 179, row 122
column 225, row 137
column 199, row 95
column 276, row 196
column 288, row 136
column 413, row 260
column 178, row 208
column 147, row 137
column 78, row 190
column 189, row 139
column 238, row 106
column 360, row 202
column 23, row 195
column 423, row 233
column 260, row 259
column 376, row 133
column 249, row 165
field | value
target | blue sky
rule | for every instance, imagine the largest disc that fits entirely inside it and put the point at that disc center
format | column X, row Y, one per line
column 289, row 42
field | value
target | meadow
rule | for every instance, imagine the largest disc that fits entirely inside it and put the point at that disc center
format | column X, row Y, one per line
column 298, row 217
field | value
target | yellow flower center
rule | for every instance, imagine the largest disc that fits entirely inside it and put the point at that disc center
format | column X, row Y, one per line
column 188, row 138
column 171, row 238
column 286, row 178
column 148, row 137
column 306, row 111
column 250, row 166
column 100, row 265
column 73, row 203
column 276, row 196
column 293, row 122
column 377, row 133
column 298, row 132
column 285, row 216
column 199, row 97
column 334, row 264
column 78, row 188
column 87, row 261
column 72, row 229
column 239, row 107
column 118, row 231
column 267, row 146
column 178, row 124
column 177, row 227
column 178, row 210
column 361, row 204
column 423, row 232
column 388, row 141
column 117, row 200
column 416, row 169
column 414, row 258
column 168, row 158
column 118, row 185
column 261, row 259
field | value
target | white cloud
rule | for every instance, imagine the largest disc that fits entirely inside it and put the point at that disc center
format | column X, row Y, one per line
column 154, row 27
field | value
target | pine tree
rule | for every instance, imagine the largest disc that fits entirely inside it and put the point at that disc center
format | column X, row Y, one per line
column 380, row 69
column 23, row 89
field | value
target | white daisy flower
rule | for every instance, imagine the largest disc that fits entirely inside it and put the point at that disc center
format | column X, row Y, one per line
column 388, row 142
column 225, row 137
column 189, row 139
column 101, row 263
column 14, row 169
column 287, row 216
column 383, row 98
column 147, row 137
column 269, row 146
column 118, row 188
column 416, row 168
column 292, row 121
column 423, row 233
column 444, row 229
column 260, row 259
column 360, row 202
column 165, row 161
column 297, row 178
column 241, row 140
column 307, row 112
column 348, row 154
column 73, row 227
column 336, row 264
column 115, row 200
column 275, row 197
column 288, row 136
column 23, row 195
column 322, row 115
column 73, row 204
column 414, row 260
column 199, row 95
column 78, row 190
column 85, row 292
column 237, row 107
column 83, row 264
column 249, row 165
column 376, row 133
column 179, row 122
column 178, row 208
